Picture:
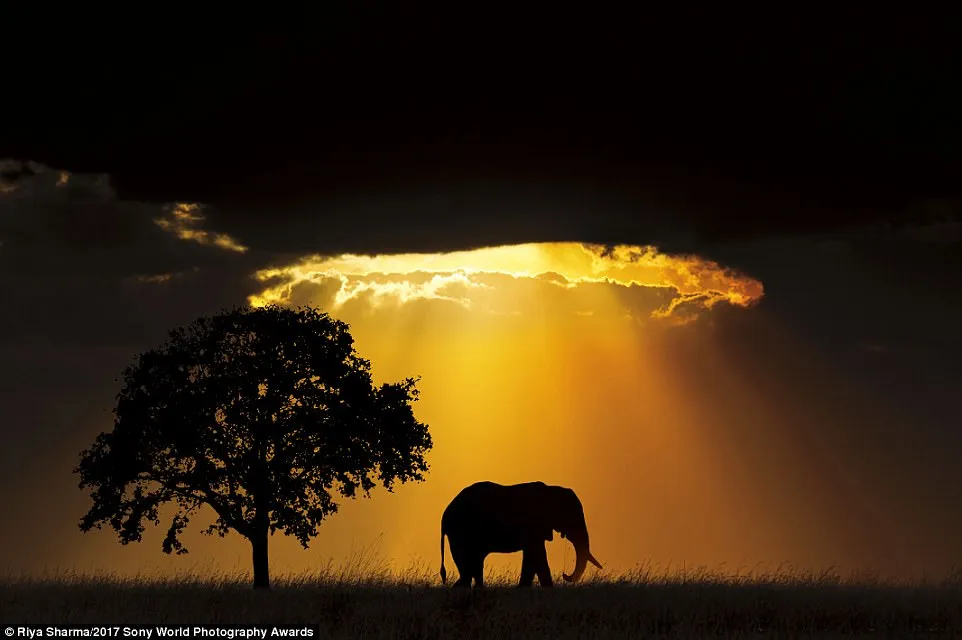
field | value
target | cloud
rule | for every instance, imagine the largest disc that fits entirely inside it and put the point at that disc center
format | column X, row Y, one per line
column 27, row 180
column 55, row 223
column 161, row 278
column 507, row 279
column 184, row 219
column 932, row 221
column 80, row 266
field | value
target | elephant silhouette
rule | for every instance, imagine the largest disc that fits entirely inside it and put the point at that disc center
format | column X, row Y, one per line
column 487, row 517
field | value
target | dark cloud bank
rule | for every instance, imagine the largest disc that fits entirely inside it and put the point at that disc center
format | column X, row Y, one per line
column 660, row 126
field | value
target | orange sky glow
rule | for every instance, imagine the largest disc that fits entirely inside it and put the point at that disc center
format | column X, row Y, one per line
column 581, row 366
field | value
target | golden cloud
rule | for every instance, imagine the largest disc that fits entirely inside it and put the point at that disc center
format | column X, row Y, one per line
column 502, row 279
column 184, row 220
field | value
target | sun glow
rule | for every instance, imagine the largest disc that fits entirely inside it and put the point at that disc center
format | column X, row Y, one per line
column 538, row 361
column 683, row 419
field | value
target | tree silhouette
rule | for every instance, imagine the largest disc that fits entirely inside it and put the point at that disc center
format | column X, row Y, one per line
column 262, row 414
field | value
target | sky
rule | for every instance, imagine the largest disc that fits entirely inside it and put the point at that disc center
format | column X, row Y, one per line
column 722, row 308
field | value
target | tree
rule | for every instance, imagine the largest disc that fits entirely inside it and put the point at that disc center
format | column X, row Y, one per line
column 262, row 414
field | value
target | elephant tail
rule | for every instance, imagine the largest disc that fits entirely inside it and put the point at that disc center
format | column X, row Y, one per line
column 444, row 574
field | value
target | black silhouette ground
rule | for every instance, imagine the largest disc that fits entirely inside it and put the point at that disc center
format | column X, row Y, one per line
column 685, row 607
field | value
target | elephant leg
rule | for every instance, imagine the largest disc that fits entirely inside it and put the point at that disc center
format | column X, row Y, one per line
column 527, row 566
column 539, row 564
column 463, row 560
column 478, row 572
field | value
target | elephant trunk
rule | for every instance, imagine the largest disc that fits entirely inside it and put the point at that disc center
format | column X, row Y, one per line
column 580, row 565
column 583, row 558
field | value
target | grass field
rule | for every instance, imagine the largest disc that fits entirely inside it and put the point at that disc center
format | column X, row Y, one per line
column 346, row 604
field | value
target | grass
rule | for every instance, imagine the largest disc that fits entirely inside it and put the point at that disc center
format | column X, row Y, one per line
column 364, row 600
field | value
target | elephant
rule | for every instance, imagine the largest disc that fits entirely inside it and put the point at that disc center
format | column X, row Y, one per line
column 487, row 517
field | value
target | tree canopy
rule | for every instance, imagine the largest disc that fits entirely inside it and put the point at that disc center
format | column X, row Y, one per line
column 264, row 415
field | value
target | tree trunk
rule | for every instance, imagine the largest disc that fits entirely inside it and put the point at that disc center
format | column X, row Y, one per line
column 261, row 523
column 262, row 576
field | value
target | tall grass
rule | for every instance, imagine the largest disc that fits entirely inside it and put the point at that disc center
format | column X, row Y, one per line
column 363, row 598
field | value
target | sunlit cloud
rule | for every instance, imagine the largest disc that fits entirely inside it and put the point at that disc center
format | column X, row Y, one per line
column 504, row 279
column 184, row 221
